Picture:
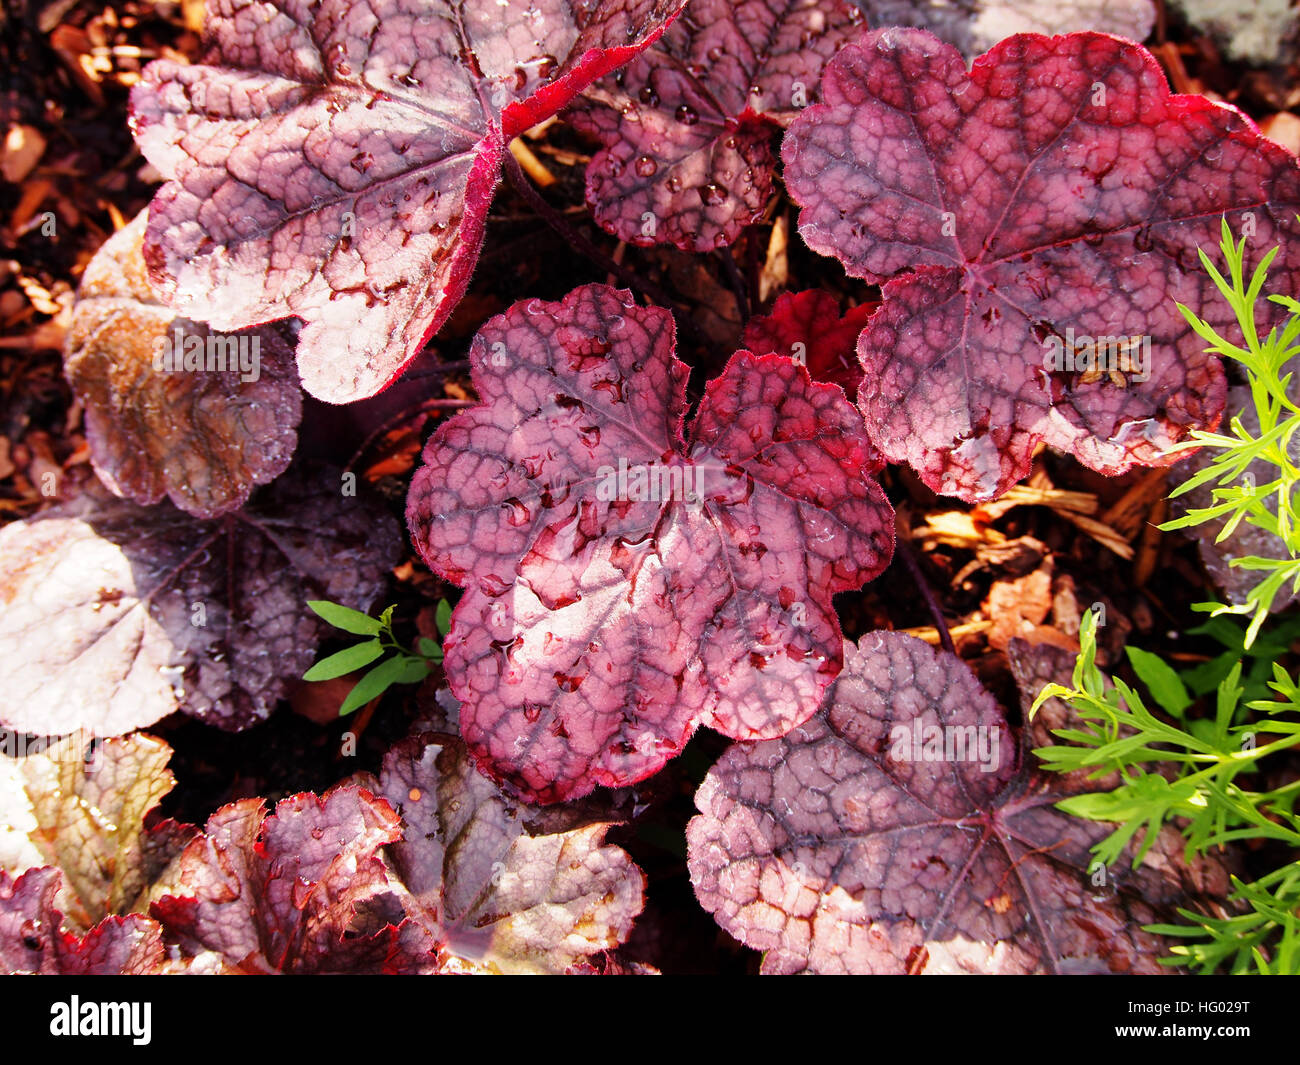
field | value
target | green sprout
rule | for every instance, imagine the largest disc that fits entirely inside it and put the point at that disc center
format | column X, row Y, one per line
column 402, row 666
column 1218, row 774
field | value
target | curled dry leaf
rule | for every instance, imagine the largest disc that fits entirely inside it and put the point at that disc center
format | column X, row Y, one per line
column 336, row 161
column 687, row 128
column 808, row 326
column 892, row 833
column 626, row 581
column 304, row 890
column 114, row 615
column 1031, row 220
column 33, row 941
column 496, row 892
column 174, row 409
column 81, row 808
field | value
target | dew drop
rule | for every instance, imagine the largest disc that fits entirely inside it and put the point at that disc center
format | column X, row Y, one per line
column 713, row 194
column 648, row 96
column 646, row 167
column 31, row 934
column 687, row 115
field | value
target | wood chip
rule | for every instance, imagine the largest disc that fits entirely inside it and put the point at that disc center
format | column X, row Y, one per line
column 1102, row 533
column 533, row 167
column 775, row 274
column 930, row 634
column 22, row 150
column 1022, row 495
column 1127, row 514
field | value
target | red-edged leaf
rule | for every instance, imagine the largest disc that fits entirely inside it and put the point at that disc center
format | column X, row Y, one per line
column 32, row 939
column 596, row 633
column 499, row 891
column 687, row 127
column 202, row 437
column 336, row 160
column 114, row 615
column 304, row 890
column 1056, row 191
column 891, row 833
column 808, row 327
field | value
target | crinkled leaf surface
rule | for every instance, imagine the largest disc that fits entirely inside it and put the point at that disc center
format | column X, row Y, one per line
column 497, row 891
column 1056, row 191
column 840, row 848
column 203, row 438
column 32, row 939
column 809, row 324
column 687, row 127
column 596, row 633
column 83, row 811
column 304, row 890
column 977, row 25
column 113, row 615
column 336, row 160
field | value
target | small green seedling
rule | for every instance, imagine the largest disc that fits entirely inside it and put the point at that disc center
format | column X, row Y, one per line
column 402, row 666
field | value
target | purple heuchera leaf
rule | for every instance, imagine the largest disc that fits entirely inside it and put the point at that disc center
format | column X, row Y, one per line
column 113, row 615
column 203, row 438
column 304, row 890
column 33, row 941
column 1057, row 191
column 687, row 127
column 976, row 25
column 336, row 160
column 891, row 833
column 808, row 326
column 627, row 580
column 498, row 889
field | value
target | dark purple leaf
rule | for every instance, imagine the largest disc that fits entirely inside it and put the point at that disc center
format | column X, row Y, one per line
column 336, row 161
column 891, row 833
column 977, row 25
column 626, row 582
column 113, row 615
column 687, row 128
column 1057, row 191
column 202, row 437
